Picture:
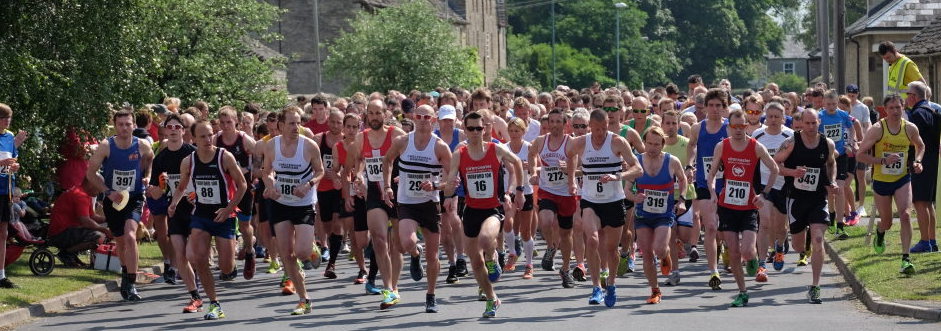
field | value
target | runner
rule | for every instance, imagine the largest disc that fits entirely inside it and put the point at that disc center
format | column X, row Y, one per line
column 891, row 177
column 242, row 147
column 738, row 202
column 686, row 227
column 263, row 204
column 353, row 213
column 702, row 139
column 478, row 165
column 556, row 203
column 219, row 185
column 836, row 125
column 612, row 105
column 329, row 199
column 602, row 202
column 523, row 218
column 370, row 147
column 420, row 156
column 578, row 232
column 771, row 228
column 656, row 206
column 126, row 161
column 292, row 169
column 809, row 168
column 452, row 233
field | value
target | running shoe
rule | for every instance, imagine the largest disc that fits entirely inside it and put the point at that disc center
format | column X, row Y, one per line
column 770, row 257
column 853, row 218
column 604, row 278
column 493, row 271
column 274, row 266
column 325, row 254
column 741, row 300
column 345, row 249
column 778, row 261
column 802, row 261
column 715, row 282
column 315, row 257
column 193, row 306
column 480, row 295
column 841, row 234
column 261, row 251
column 302, row 308
column 431, row 305
column 665, row 266
column 631, row 266
column 360, row 277
column 655, row 297
column 813, row 295
column 693, row 254
column 511, row 263
column 284, row 278
column 288, row 288
column 389, row 299
column 725, row 258
column 567, row 281
column 229, row 276
column 518, row 246
column 907, row 267
column 372, row 289
column 452, row 275
column 415, row 267
column 674, row 278
column 248, row 271
column 528, row 274
column 461, row 267
column 330, row 272
column 132, row 294
column 751, row 267
column 762, row 275
column 501, row 259
column 578, row 273
column 215, row 312
column 934, row 245
column 548, row 260
column 491, row 309
column 879, row 244
column 622, row 265
column 169, row 275
column 596, row 296
column 610, row 296
column 923, row 246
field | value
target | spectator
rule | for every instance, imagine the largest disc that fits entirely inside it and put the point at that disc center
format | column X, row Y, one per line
column 924, row 184
column 75, row 150
column 74, row 226
column 143, row 120
column 901, row 70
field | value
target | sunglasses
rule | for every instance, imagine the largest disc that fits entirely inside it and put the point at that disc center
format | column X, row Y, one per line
column 474, row 128
column 174, row 126
column 737, row 126
column 579, row 126
column 423, row 117
column 753, row 112
column 640, row 111
column 610, row 109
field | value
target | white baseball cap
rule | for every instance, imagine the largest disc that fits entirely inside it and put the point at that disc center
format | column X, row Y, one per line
column 447, row 112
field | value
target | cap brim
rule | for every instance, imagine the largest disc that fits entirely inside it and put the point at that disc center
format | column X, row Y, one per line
column 124, row 198
column 448, row 117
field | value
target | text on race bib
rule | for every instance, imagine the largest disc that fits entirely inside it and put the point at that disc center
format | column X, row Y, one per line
column 594, row 189
column 480, row 185
column 123, row 180
column 895, row 168
column 4, row 156
column 413, row 185
column 285, row 186
column 707, row 166
column 737, row 192
column 833, row 131
column 328, row 161
column 809, row 181
column 656, row 201
column 555, row 177
column 374, row 169
column 206, row 192
column 173, row 181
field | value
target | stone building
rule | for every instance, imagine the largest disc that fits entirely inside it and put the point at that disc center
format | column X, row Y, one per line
column 477, row 23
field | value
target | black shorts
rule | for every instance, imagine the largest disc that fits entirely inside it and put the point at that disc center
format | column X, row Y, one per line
column 74, row 236
column 297, row 215
column 842, row 164
column 6, row 208
column 889, row 188
column 527, row 201
column 131, row 211
column 246, row 207
column 611, row 214
column 565, row 222
column 328, row 203
column 732, row 220
column 777, row 198
column 473, row 219
column 360, row 222
column 802, row 213
column 702, row 193
column 179, row 224
column 426, row 214
column 924, row 185
column 628, row 204
column 374, row 201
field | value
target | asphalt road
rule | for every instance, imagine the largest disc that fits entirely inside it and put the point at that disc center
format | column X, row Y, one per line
column 537, row 304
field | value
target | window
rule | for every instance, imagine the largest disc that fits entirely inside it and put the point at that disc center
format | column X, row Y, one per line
column 789, row 67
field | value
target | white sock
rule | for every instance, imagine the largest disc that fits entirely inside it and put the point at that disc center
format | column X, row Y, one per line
column 509, row 242
column 3, row 273
column 528, row 251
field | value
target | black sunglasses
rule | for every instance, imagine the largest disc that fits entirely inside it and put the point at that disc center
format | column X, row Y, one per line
column 475, row 128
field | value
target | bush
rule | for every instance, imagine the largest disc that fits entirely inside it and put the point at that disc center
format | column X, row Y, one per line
column 789, row 82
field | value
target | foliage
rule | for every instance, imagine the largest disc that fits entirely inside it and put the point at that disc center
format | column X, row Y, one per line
column 64, row 61
column 855, row 9
column 789, row 82
column 402, row 47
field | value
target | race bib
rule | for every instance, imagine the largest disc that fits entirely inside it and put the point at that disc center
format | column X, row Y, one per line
column 413, row 186
column 285, row 186
column 594, row 189
column 480, row 185
column 374, row 169
column 173, row 180
column 707, row 166
column 896, row 168
column 4, row 156
column 809, row 181
column 833, row 131
column 737, row 192
column 123, row 180
column 206, row 192
column 656, row 201
column 554, row 176
column 328, row 161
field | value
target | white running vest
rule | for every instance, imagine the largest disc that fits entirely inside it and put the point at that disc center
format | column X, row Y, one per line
column 596, row 163
column 291, row 172
column 772, row 143
column 416, row 167
column 553, row 178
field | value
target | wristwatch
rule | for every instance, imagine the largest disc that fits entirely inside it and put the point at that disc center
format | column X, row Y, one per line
column 520, row 188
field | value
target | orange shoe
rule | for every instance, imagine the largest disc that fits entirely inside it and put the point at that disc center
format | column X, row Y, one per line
column 193, row 306
column 288, row 288
column 510, row 263
column 655, row 296
column 762, row 276
column 528, row 274
column 665, row 267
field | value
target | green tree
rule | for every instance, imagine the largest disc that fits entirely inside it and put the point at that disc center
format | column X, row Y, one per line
column 855, row 9
column 64, row 61
column 789, row 82
column 402, row 47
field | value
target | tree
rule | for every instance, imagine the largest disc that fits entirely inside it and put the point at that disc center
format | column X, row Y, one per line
column 855, row 9
column 64, row 61
column 789, row 82
column 402, row 47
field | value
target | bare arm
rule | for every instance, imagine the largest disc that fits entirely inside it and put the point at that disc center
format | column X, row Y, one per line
column 147, row 158
column 235, row 173
column 395, row 150
column 449, row 183
column 769, row 162
column 572, row 152
column 679, row 173
column 180, row 189
column 634, row 169
column 714, row 169
column 869, row 140
column 691, row 146
column 635, row 140
column 94, row 164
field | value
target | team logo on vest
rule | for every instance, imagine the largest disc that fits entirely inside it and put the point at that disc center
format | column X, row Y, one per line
column 738, row 171
column 133, row 156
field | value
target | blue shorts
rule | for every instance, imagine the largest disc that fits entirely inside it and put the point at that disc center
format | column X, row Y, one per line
column 243, row 217
column 653, row 223
column 889, row 188
column 224, row 229
column 159, row 206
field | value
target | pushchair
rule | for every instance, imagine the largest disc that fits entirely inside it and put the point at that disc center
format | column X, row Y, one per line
column 42, row 259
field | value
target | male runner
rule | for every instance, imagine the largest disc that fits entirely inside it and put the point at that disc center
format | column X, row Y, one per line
column 836, row 124
column 452, row 234
column 771, row 226
column 329, row 200
column 242, row 146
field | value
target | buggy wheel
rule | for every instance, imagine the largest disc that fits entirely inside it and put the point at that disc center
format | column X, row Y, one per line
column 41, row 262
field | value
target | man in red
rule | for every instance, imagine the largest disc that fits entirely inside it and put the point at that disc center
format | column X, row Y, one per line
column 74, row 226
column 318, row 116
